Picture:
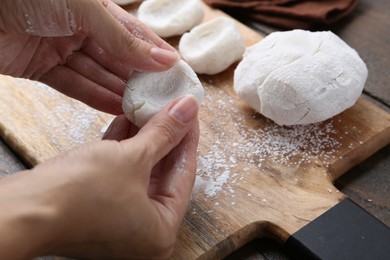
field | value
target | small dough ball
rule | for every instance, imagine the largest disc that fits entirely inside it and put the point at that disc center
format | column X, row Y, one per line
column 170, row 17
column 212, row 47
column 148, row 93
column 300, row 77
column 126, row 2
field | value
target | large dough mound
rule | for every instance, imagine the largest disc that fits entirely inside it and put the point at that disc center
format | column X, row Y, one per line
column 148, row 93
column 300, row 77
column 170, row 17
column 212, row 47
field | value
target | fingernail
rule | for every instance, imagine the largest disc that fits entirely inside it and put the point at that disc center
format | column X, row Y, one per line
column 185, row 109
column 164, row 56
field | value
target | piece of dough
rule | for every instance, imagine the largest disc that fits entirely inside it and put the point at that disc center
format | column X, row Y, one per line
column 212, row 47
column 170, row 17
column 126, row 2
column 148, row 93
column 300, row 77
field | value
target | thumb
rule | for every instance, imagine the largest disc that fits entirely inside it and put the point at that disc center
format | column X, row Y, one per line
column 167, row 128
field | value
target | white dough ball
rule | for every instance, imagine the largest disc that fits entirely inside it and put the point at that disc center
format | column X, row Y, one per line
column 125, row 2
column 170, row 17
column 212, row 47
column 300, row 77
column 148, row 93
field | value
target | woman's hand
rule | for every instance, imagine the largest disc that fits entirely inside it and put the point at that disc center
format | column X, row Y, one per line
column 85, row 49
column 124, row 197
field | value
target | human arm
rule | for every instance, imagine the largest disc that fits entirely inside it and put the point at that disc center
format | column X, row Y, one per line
column 124, row 198
column 86, row 49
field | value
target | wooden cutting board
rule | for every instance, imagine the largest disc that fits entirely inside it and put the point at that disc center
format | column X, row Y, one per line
column 254, row 178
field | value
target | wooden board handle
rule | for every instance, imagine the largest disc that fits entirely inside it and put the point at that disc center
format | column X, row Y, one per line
column 346, row 231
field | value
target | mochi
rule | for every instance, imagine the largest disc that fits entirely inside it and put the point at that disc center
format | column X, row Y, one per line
column 213, row 46
column 300, row 77
column 148, row 93
column 126, row 2
column 170, row 17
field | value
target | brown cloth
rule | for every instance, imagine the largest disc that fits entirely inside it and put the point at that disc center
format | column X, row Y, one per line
column 288, row 14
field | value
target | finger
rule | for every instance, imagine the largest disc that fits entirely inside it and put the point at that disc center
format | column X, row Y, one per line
column 136, row 27
column 118, row 41
column 167, row 128
column 84, row 65
column 120, row 128
column 173, row 188
column 77, row 86
column 105, row 59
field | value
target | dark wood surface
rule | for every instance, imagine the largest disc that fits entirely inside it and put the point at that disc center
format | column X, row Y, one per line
column 368, row 184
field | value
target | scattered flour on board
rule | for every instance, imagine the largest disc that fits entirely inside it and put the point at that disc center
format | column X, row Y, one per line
column 64, row 132
column 218, row 169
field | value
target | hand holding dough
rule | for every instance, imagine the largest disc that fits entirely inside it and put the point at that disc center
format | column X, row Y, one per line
column 170, row 17
column 148, row 93
column 300, row 77
column 212, row 47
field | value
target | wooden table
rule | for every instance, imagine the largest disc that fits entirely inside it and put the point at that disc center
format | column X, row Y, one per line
column 368, row 184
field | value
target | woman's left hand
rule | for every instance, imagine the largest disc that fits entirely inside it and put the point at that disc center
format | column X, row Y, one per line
column 86, row 49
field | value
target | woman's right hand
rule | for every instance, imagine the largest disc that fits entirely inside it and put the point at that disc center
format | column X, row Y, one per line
column 123, row 197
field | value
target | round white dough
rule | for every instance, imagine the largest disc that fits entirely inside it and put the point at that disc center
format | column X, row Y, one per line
column 212, row 47
column 300, row 77
column 170, row 17
column 148, row 93
column 126, row 2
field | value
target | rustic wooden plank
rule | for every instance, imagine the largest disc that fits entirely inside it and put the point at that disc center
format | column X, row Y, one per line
column 368, row 184
column 260, row 249
column 9, row 162
column 367, row 30
column 38, row 122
